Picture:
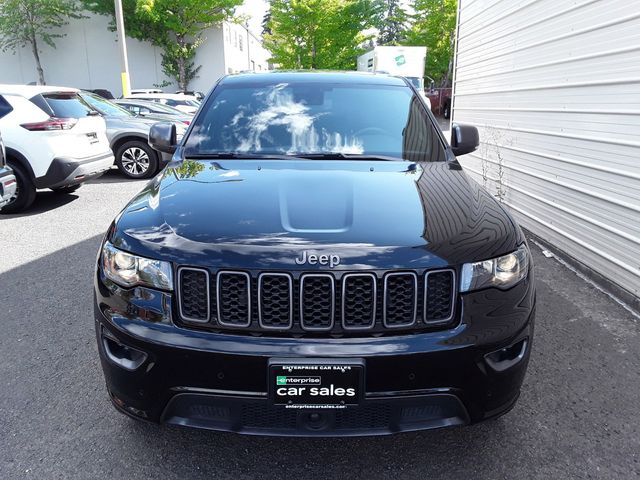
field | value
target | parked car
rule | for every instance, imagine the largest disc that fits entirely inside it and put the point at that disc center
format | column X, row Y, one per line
column 128, row 137
column 199, row 95
column 136, row 91
column 185, row 103
column 8, row 184
column 104, row 93
column 53, row 140
column 158, row 111
column 440, row 101
column 314, row 261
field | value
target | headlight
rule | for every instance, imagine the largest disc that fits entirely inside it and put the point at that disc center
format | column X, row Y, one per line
column 502, row 272
column 129, row 270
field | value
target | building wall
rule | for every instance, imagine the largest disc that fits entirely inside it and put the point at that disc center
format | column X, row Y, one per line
column 89, row 57
column 554, row 87
column 243, row 51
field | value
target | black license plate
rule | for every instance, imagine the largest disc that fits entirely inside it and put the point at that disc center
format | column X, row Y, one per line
column 316, row 382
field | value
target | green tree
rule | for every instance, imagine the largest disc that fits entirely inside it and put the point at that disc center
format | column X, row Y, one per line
column 176, row 26
column 318, row 34
column 392, row 23
column 28, row 22
column 434, row 26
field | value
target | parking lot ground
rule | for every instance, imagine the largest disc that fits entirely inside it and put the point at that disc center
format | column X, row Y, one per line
column 577, row 417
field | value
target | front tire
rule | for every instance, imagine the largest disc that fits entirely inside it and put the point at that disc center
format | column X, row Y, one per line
column 136, row 159
column 25, row 191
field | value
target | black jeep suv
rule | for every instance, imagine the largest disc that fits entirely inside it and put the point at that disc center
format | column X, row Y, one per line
column 314, row 261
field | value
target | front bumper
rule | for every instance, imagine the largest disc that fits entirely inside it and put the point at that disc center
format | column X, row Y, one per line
column 219, row 381
column 8, row 185
column 66, row 171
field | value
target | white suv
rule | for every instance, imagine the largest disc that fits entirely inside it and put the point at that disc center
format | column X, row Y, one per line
column 53, row 140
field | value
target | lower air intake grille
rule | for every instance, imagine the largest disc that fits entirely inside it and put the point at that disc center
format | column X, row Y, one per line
column 234, row 307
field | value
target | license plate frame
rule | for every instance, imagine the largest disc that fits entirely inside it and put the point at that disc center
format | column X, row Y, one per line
column 332, row 380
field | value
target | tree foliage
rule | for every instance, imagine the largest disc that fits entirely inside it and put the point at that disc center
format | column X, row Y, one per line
column 176, row 26
column 434, row 26
column 28, row 22
column 392, row 23
column 318, row 34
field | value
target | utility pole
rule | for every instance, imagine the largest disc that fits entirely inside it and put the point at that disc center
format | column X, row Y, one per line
column 124, row 61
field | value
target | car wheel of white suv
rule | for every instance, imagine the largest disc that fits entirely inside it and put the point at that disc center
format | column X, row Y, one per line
column 25, row 191
column 135, row 159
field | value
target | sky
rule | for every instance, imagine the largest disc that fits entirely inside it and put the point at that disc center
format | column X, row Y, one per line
column 255, row 9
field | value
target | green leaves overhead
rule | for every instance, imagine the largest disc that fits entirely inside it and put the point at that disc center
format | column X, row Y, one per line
column 434, row 25
column 322, row 34
column 176, row 26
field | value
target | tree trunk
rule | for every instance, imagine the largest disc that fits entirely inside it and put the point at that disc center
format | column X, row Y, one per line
column 182, row 70
column 36, row 55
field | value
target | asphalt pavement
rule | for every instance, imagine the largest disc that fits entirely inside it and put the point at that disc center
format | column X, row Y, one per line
column 578, row 415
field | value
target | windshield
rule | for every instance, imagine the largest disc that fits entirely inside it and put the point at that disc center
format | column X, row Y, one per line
column 303, row 118
column 157, row 107
column 105, row 107
column 188, row 103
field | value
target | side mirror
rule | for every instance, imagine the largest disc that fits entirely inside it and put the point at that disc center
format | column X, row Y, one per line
column 464, row 139
column 162, row 137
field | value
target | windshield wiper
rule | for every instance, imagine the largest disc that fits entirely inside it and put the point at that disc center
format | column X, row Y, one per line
column 346, row 156
column 295, row 156
column 231, row 155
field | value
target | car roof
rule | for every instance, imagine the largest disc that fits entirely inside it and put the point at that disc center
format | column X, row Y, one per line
column 314, row 76
column 173, row 96
column 29, row 91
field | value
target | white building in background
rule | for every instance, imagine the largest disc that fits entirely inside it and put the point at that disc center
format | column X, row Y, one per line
column 554, row 87
column 88, row 57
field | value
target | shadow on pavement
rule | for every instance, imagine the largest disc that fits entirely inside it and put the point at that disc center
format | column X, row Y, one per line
column 46, row 201
column 114, row 176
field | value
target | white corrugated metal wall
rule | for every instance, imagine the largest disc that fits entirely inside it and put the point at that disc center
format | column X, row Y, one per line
column 554, row 88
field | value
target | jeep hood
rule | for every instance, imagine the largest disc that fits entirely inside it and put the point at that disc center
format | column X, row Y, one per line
column 265, row 213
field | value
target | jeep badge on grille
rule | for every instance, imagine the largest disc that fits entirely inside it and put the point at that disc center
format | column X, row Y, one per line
column 313, row 259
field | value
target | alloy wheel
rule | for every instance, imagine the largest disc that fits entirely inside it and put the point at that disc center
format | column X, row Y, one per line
column 135, row 161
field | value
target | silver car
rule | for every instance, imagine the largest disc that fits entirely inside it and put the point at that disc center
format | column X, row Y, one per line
column 128, row 137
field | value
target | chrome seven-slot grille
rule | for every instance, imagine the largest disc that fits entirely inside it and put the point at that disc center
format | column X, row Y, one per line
column 305, row 302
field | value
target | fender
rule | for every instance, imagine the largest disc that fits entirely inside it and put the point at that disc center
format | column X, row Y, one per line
column 21, row 160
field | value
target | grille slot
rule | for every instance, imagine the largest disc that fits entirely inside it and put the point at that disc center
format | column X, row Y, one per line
column 439, row 295
column 275, row 301
column 317, row 301
column 234, row 293
column 400, row 299
column 193, row 294
column 358, row 301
